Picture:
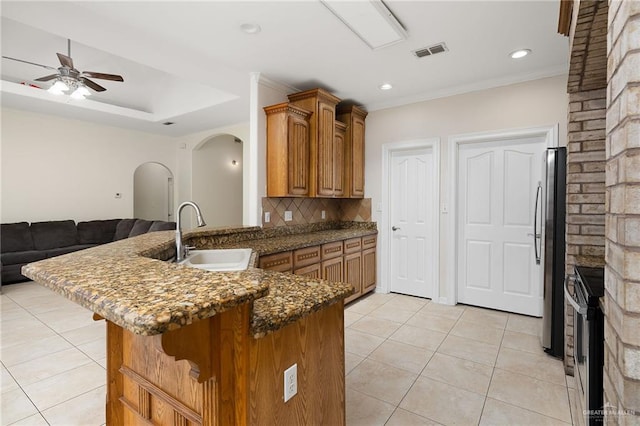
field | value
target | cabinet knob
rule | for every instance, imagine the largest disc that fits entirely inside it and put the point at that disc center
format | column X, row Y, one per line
column 394, row 228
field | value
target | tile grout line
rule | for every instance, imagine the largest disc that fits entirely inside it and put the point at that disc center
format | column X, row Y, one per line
column 41, row 412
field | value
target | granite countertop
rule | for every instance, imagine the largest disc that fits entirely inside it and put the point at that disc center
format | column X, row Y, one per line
column 129, row 282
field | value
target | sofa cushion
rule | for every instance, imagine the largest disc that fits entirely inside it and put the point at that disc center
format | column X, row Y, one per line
column 48, row 235
column 97, row 231
column 21, row 257
column 11, row 274
column 15, row 237
column 64, row 250
column 140, row 227
column 161, row 225
column 123, row 229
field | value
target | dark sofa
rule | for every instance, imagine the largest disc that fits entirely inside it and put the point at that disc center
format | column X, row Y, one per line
column 21, row 243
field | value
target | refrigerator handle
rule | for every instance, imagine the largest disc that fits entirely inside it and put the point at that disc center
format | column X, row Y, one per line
column 537, row 234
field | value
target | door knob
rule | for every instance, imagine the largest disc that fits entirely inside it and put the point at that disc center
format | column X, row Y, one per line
column 394, row 228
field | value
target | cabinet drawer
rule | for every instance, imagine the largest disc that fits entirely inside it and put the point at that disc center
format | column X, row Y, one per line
column 352, row 245
column 369, row 241
column 331, row 250
column 306, row 256
column 282, row 262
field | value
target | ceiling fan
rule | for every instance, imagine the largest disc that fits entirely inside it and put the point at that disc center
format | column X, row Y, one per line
column 69, row 78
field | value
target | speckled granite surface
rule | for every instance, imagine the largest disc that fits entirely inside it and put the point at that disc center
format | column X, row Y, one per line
column 129, row 283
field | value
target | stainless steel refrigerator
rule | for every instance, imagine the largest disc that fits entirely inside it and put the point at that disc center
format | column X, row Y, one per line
column 554, row 193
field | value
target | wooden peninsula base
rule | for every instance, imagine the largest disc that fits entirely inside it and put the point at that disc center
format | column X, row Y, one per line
column 214, row 372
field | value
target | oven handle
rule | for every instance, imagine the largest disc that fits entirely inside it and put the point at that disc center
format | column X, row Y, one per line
column 581, row 310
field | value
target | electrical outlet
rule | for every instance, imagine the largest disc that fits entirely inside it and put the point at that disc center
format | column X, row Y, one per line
column 288, row 216
column 267, row 217
column 290, row 382
column 323, row 214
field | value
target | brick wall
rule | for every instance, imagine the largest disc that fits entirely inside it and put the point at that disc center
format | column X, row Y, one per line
column 585, row 146
column 622, row 273
column 585, row 190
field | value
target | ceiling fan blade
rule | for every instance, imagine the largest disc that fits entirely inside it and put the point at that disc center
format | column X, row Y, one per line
column 92, row 85
column 30, row 63
column 112, row 77
column 47, row 78
column 65, row 60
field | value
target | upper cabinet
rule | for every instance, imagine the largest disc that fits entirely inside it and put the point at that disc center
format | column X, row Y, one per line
column 353, row 117
column 322, row 104
column 309, row 152
column 288, row 151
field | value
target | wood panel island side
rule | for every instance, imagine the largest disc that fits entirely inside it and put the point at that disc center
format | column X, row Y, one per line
column 192, row 347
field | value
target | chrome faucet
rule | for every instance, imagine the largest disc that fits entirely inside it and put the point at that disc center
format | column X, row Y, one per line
column 180, row 249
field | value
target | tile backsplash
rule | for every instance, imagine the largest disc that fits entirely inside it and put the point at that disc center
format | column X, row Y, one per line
column 309, row 210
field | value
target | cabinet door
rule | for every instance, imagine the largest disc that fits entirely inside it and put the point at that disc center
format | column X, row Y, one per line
column 338, row 160
column 357, row 157
column 332, row 269
column 281, row 262
column 368, row 270
column 325, row 160
column 311, row 271
column 298, row 134
column 353, row 273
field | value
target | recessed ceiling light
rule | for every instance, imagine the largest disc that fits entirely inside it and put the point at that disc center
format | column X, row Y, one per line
column 385, row 86
column 520, row 53
column 251, row 28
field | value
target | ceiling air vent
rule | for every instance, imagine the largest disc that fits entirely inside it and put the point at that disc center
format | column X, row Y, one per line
column 431, row 50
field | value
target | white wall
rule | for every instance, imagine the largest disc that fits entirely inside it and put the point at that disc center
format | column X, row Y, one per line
column 151, row 185
column 186, row 146
column 531, row 104
column 55, row 168
column 217, row 183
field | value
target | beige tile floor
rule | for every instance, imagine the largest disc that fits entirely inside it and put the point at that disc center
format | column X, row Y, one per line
column 408, row 362
column 413, row 362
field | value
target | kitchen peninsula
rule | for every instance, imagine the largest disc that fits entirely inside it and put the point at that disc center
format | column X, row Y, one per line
column 188, row 347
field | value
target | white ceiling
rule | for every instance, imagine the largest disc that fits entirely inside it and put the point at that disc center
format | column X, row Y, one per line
column 189, row 62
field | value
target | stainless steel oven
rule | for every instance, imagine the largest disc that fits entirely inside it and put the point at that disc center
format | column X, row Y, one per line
column 588, row 340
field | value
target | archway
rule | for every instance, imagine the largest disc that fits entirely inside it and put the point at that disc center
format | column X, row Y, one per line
column 217, row 179
column 153, row 192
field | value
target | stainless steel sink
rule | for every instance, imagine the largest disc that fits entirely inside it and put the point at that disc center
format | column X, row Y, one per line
column 219, row 260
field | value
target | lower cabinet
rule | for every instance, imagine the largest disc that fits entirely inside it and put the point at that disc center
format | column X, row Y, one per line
column 352, row 261
column 311, row 271
column 353, row 274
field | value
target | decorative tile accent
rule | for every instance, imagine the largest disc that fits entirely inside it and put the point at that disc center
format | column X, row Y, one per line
column 309, row 210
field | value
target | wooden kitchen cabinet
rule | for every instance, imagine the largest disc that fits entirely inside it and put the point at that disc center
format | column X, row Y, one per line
column 368, row 270
column 311, row 271
column 354, row 118
column 352, row 261
column 353, row 274
column 281, row 262
column 306, row 256
column 339, row 165
column 288, row 151
column 322, row 159
column 332, row 269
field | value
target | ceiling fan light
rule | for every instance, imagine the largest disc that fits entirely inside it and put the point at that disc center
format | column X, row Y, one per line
column 77, row 94
column 58, row 86
column 82, row 90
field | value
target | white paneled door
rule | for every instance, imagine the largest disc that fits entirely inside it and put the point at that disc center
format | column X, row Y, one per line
column 497, row 187
column 412, row 211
